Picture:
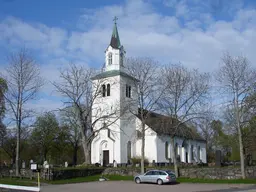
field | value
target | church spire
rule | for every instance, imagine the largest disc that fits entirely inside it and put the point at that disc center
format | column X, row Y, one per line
column 115, row 40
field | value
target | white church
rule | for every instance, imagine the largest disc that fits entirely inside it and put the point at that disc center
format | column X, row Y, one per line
column 121, row 140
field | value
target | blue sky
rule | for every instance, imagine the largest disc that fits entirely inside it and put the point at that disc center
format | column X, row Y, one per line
column 193, row 32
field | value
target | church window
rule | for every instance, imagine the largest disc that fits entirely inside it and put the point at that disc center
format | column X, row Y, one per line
column 110, row 58
column 176, row 150
column 103, row 90
column 139, row 134
column 166, row 150
column 109, row 133
column 129, row 150
column 192, row 152
column 198, row 153
column 108, row 89
column 128, row 91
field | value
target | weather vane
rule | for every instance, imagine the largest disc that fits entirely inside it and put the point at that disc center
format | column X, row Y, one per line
column 115, row 19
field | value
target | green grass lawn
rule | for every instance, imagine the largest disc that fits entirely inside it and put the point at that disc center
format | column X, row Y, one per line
column 18, row 181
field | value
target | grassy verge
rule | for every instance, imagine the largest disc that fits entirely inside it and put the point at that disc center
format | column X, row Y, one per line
column 18, row 181
column 91, row 179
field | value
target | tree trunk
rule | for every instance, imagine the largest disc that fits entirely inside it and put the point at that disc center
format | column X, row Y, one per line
column 86, row 149
column 143, row 148
column 174, row 157
column 241, row 148
column 17, row 169
column 75, row 155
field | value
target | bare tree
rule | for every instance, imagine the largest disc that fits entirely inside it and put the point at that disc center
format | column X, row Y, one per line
column 71, row 121
column 81, row 94
column 24, row 82
column 237, row 79
column 146, row 74
column 184, row 100
column 204, row 126
column 3, row 89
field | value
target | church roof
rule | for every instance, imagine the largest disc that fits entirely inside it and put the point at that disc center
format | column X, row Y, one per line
column 112, row 73
column 115, row 40
column 163, row 125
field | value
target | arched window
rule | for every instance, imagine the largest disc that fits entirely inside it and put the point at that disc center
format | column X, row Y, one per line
column 176, row 149
column 129, row 150
column 128, row 91
column 139, row 134
column 110, row 58
column 108, row 89
column 198, row 153
column 166, row 150
column 192, row 152
column 103, row 90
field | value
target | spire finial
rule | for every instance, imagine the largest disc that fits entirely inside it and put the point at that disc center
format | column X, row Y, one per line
column 115, row 19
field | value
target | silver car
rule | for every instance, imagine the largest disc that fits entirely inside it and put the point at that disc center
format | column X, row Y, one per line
column 156, row 176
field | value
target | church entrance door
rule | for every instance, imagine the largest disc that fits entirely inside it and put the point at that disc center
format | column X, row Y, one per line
column 105, row 157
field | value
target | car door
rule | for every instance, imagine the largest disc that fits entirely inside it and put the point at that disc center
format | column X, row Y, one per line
column 148, row 176
column 154, row 177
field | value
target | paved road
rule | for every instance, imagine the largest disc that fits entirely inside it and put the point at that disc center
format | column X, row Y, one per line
column 127, row 186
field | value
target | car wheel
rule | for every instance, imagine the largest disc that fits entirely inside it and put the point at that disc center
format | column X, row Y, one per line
column 159, row 181
column 137, row 180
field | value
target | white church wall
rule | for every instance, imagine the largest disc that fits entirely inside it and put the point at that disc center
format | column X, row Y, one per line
column 150, row 148
column 106, row 141
column 106, row 105
column 161, row 157
column 128, row 119
column 150, row 143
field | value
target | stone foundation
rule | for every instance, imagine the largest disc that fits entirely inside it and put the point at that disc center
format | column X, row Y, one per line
column 204, row 172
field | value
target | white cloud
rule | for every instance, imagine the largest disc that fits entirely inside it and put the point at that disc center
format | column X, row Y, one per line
column 198, row 41
column 16, row 32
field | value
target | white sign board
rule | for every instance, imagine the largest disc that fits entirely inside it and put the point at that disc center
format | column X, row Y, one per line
column 33, row 166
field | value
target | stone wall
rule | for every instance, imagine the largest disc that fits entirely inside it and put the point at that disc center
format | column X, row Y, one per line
column 217, row 173
column 204, row 172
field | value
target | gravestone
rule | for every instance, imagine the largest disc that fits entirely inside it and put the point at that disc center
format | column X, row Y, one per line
column 23, row 165
column 115, row 164
column 66, row 164
column 218, row 158
column 45, row 164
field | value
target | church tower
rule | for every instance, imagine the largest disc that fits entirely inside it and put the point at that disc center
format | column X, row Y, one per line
column 115, row 53
column 114, row 107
